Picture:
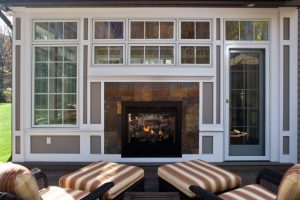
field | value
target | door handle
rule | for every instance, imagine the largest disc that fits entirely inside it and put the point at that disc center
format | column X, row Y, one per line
column 227, row 101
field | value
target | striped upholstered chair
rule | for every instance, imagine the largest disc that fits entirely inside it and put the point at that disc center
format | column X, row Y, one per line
column 17, row 182
column 270, row 185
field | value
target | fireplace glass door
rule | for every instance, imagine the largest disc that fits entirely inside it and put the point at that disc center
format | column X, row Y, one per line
column 151, row 129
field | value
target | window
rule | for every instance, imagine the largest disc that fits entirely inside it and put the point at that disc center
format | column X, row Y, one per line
column 52, row 30
column 195, row 54
column 108, row 30
column 55, row 85
column 199, row 30
column 146, row 30
column 247, row 30
column 55, row 73
column 105, row 54
column 152, row 55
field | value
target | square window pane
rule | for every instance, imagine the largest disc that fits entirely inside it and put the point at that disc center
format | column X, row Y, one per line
column 167, row 55
column 202, row 30
column 115, row 55
column 70, row 85
column 101, row 30
column 40, row 117
column 56, row 54
column 41, row 85
column 55, row 70
column 55, row 30
column 70, row 53
column 70, row 30
column 202, row 55
column 70, row 101
column 232, row 30
column 55, row 101
column 41, row 70
column 187, row 55
column 41, row 30
column 55, row 117
column 55, row 85
column 261, row 30
column 136, row 55
column 41, row 101
column 152, row 30
column 116, row 30
column 137, row 30
column 151, row 55
column 41, row 54
column 70, row 117
column 70, row 70
column 246, row 30
column 166, row 30
column 101, row 55
column 187, row 30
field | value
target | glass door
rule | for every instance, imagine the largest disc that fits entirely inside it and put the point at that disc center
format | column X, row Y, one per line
column 247, row 102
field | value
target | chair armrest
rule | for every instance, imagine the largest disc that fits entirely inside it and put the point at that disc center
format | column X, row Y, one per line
column 269, row 179
column 39, row 174
column 8, row 196
column 203, row 194
column 99, row 192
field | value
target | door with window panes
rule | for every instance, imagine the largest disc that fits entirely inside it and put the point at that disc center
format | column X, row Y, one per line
column 247, row 102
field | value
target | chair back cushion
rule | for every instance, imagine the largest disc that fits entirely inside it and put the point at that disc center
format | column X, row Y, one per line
column 290, row 184
column 18, row 180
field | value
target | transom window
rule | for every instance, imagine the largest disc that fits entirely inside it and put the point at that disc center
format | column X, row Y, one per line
column 105, row 54
column 199, row 30
column 104, row 30
column 195, row 54
column 247, row 30
column 151, row 30
column 54, row 30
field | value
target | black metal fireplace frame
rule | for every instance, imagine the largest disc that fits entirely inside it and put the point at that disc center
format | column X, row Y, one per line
column 151, row 150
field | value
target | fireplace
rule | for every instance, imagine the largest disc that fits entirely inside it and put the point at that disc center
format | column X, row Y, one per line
column 151, row 129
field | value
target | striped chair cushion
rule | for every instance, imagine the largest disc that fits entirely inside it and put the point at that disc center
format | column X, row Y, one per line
column 290, row 184
column 196, row 172
column 57, row 193
column 19, row 181
column 94, row 175
column 249, row 192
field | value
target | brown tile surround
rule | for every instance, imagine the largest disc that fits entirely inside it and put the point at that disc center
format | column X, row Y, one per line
column 117, row 92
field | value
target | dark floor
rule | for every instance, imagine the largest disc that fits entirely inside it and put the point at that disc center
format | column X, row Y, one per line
column 246, row 170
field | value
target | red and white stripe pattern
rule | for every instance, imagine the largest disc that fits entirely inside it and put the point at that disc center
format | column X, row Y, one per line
column 57, row 193
column 249, row 192
column 94, row 175
column 196, row 172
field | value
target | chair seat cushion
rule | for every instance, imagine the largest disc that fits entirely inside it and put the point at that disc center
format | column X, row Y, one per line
column 94, row 175
column 249, row 192
column 290, row 184
column 57, row 193
column 196, row 172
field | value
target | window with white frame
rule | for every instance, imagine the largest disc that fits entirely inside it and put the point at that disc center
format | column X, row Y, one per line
column 152, row 42
column 55, row 77
column 247, row 30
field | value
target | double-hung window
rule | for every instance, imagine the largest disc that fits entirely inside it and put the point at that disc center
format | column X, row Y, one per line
column 55, row 66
